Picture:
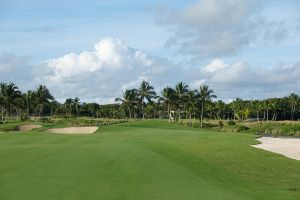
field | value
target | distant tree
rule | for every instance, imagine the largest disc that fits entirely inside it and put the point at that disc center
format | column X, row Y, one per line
column 181, row 90
column 293, row 100
column 205, row 95
column 190, row 104
column 168, row 99
column 68, row 106
column 76, row 104
column 10, row 94
column 220, row 107
column 274, row 106
column 257, row 106
column 128, row 100
column 29, row 95
column 42, row 96
column 146, row 91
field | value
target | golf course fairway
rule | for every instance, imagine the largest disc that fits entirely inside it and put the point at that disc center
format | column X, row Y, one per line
column 143, row 160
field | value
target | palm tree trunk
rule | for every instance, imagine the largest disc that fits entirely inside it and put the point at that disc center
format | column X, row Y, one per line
column 294, row 109
column 40, row 112
column 169, row 113
column 267, row 114
column 9, row 111
column 76, row 110
column 273, row 118
column 190, row 119
column 27, row 104
column 129, row 112
column 202, row 111
column 143, row 108
column 2, row 114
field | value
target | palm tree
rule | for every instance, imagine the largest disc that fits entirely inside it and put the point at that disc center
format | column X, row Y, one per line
column 76, row 103
column 29, row 99
column 168, row 99
column 256, row 107
column 68, row 106
column 9, row 94
column 42, row 96
column 146, row 91
column 190, row 104
column 237, row 106
column 181, row 90
column 220, row 106
column 293, row 100
column 205, row 95
column 54, row 105
column 266, row 106
column 20, row 104
column 129, row 98
column 274, row 107
column 2, row 85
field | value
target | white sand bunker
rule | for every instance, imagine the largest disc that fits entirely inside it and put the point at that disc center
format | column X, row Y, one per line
column 28, row 127
column 289, row 147
column 74, row 130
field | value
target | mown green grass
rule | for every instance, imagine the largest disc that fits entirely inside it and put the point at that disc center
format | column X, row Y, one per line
column 143, row 160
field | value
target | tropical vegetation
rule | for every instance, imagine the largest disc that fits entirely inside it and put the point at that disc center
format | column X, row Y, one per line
column 173, row 103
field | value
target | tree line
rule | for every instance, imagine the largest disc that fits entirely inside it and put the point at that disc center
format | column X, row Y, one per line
column 174, row 103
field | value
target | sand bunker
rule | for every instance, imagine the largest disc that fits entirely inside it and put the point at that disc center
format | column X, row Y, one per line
column 28, row 127
column 74, row 130
column 289, row 147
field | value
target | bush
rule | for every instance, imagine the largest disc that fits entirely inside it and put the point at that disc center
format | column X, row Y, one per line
column 231, row 123
column 235, row 128
column 45, row 120
column 240, row 128
column 24, row 117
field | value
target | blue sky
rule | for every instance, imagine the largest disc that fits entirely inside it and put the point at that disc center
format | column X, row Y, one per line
column 181, row 37
column 58, row 27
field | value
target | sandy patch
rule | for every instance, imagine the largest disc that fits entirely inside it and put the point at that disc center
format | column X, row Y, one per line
column 289, row 147
column 74, row 130
column 28, row 127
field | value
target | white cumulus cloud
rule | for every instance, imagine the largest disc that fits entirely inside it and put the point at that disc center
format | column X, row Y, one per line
column 101, row 74
column 239, row 79
column 111, row 67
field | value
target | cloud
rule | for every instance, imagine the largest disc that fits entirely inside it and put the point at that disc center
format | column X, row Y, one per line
column 239, row 79
column 15, row 69
column 112, row 66
column 101, row 74
column 217, row 28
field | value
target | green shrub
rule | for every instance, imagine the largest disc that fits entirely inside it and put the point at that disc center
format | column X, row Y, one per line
column 235, row 128
column 24, row 117
column 231, row 123
column 45, row 120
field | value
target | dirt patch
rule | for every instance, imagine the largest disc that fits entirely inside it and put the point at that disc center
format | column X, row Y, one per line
column 74, row 130
column 27, row 127
column 289, row 147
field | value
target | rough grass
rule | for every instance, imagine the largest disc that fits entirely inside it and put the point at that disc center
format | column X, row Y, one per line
column 143, row 160
column 278, row 128
column 273, row 128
